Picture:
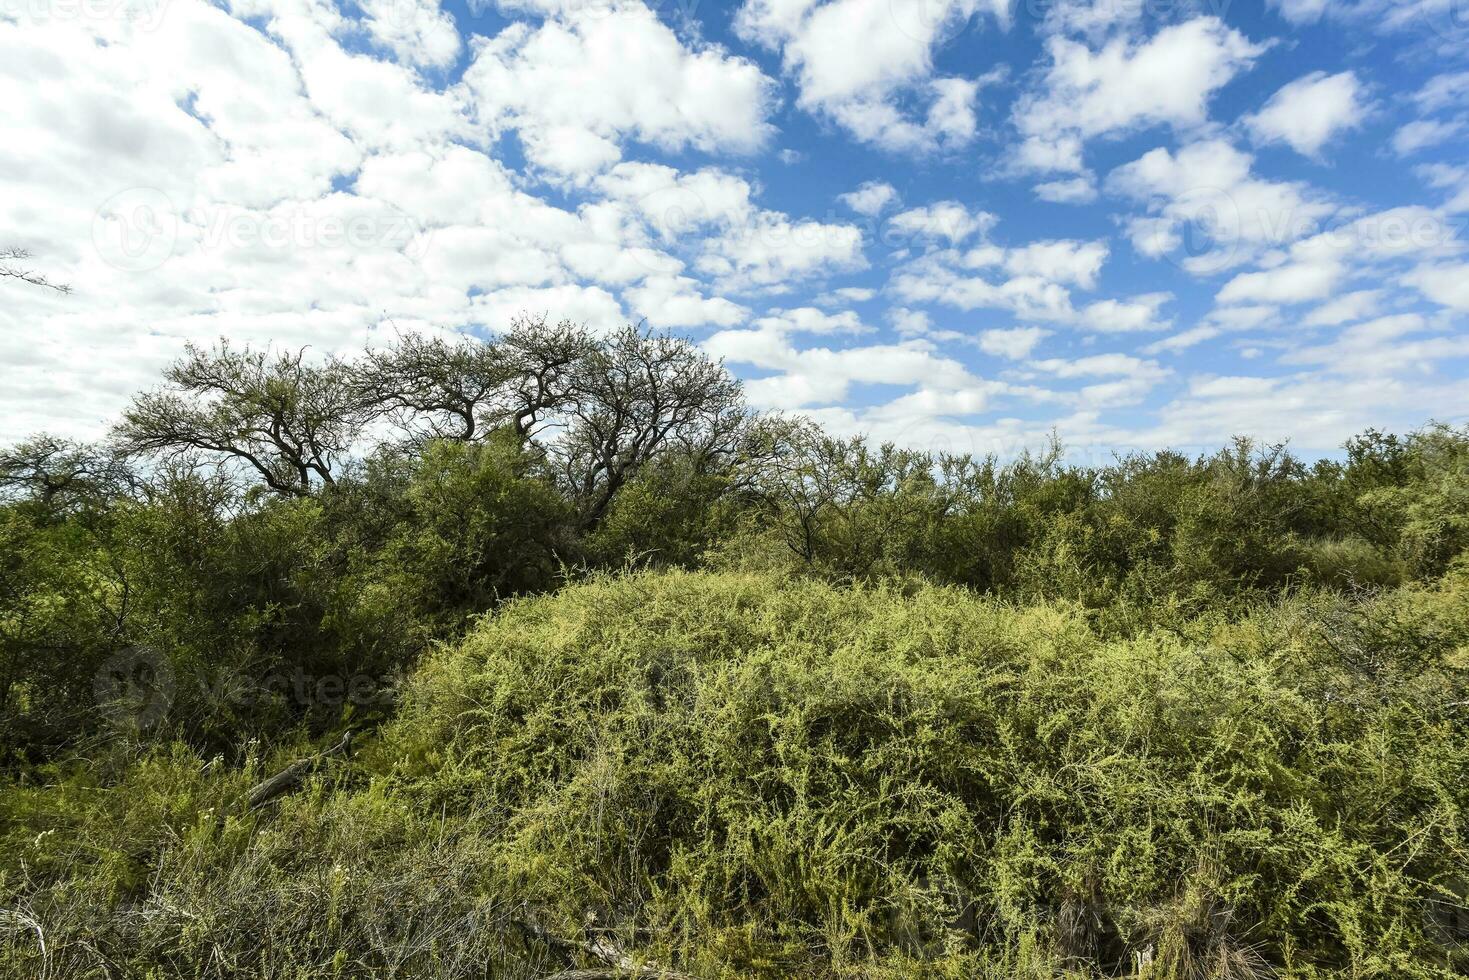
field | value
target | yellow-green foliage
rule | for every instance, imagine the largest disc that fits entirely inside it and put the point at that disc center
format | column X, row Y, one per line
column 749, row 775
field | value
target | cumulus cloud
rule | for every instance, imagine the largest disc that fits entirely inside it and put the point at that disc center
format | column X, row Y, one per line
column 1345, row 308
column 859, row 62
column 1205, row 200
column 871, row 198
column 1309, row 112
column 677, row 301
column 1138, row 314
column 1125, row 85
column 823, row 375
column 566, row 87
column 1073, row 190
column 1065, row 260
column 1445, row 284
column 418, row 32
column 1293, row 283
column 711, row 215
column 947, row 220
column 1014, row 343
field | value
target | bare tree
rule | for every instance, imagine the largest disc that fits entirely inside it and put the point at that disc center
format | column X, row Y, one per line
column 432, row 387
column 12, row 266
column 462, row 389
column 291, row 422
column 631, row 397
column 543, row 358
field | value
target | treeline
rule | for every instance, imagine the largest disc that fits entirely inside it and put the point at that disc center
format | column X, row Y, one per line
column 265, row 520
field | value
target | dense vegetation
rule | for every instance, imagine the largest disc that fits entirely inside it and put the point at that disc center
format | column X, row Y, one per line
column 639, row 676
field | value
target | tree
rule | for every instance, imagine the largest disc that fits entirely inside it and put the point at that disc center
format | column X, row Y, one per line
column 543, row 359
column 433, row 387
column 630, row 397
column 291, row 422
column 11, row 267
column 462, row 389
column 60, row 471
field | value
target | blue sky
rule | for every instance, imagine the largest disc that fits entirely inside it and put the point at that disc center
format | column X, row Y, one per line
column 956, row 224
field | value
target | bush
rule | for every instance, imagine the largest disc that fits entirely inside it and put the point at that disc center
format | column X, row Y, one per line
column 741, row 775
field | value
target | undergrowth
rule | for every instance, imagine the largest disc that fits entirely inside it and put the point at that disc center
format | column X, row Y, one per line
column 744, row 775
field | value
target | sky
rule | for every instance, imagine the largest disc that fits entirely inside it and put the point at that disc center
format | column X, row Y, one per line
column 958, row 225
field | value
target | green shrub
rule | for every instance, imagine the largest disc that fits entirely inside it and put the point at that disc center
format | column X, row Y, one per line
column 746, row 775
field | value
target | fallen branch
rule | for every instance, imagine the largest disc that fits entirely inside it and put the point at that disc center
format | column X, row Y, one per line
column 294, row 774
column 619, row 966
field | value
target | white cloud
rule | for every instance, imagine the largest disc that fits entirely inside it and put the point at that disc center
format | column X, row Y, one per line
column 740, row 245
column 1309, row 112
column 1423, row 133
column 1446, row 91
column 809, row 319
column 1293, row 283
column 948, row 220
column 1447, row 285
column 1345, row 308
column 590, row 305
column 1075, row 190
column 1135, row 378
column 860, row 62
column 1386, row 346
column 1126, row 316
column 675, row 204
column 380, row 104
column 1207, row 189
column 676, row 301
column 1300, row 11
column 1066, row 261
column 418, row 32
column 1014, row 343
column 1454, row 179
column 932, row 279
column 1125, row 85
column 822, row 376
column 910, row 322
column 773, row 251
column 568, row 89
column 870, row 199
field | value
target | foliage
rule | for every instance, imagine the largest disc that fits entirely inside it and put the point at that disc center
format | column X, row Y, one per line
column 744, row 775
column 863, row 712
